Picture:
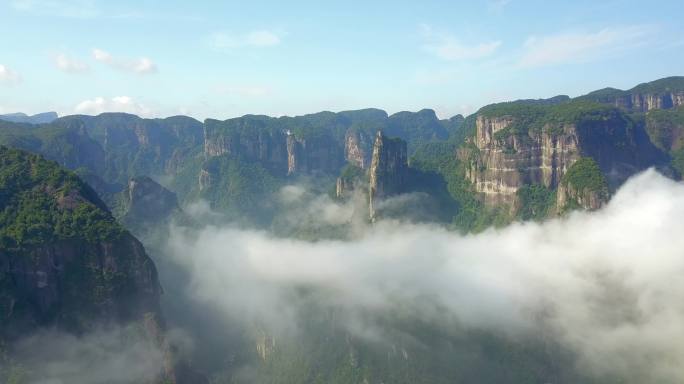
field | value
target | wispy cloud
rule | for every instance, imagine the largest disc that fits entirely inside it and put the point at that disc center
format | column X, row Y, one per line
column 141, row 65
column 579, row 47
column 68, row 64
column 448, row 47
column 80, row 9
column 497, row 6
column 8, row 76
column 258, row 38
column 99, row 105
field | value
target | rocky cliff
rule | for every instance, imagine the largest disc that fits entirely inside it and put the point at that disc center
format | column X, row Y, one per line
column 67, row 265
column 147, row 202
column 251, row 138
column 583, row 186
column 357, row 148
column 664, row 93
column 517, row 144
column 65, row 261
column 135, row 146
column 388, row 170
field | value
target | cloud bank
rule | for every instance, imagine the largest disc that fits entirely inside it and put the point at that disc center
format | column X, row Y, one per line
column 606, row 285
column 99, row 105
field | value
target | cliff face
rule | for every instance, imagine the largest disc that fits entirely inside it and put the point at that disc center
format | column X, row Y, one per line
column 357, row 148
column 316, row 154
column 388, row 170
column 132, row 145
column 250, row 139
column 583, row 186
column 644, row 102
column 503, row 165
column 76, row 286
column 664, row 93
column 511, row 150
column 147, row 201
column 569, row 196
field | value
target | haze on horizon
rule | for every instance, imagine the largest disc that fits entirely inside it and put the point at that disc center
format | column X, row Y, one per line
column 225, row 60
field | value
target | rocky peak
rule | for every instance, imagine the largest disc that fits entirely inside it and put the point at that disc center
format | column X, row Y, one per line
column 388, row 170
column 82, row 266
column 146, row 200
column 357, row 148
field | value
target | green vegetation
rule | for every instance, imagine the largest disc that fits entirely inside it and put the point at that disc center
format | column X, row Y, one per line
column 536, row 202
column 534, row 118
column 41, row 203
column 660, row 86
column 471, row 215
column 678, row 161
column 352, row 172
column 585, row 175
column 241, row 190
column 667, row 84
column 665, row 128
column 418, row 128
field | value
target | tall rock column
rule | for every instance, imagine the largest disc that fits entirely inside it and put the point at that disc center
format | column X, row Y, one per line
column 388, row 170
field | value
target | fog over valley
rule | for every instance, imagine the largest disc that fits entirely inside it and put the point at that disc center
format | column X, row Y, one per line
column 348, row 192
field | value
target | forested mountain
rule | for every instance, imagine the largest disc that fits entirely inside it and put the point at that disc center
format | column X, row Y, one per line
column 69, row 261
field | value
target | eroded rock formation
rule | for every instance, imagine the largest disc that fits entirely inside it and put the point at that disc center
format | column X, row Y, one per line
column 388, row 170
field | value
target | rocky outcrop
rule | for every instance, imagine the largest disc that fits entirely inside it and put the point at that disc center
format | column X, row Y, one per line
column 250, row 140
column 569, row 196
column 583, row 186
column 502, row 165
column 357, row 148
column 312, row 155
column 147, row 201
column 666, row 93
column 509, row 151
column 75, row 285
column 388, row 170
column 644, row 102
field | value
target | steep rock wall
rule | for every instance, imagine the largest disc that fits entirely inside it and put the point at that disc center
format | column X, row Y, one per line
column 388, row 170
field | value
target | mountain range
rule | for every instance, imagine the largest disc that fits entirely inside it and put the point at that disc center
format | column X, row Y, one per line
column 78, row 192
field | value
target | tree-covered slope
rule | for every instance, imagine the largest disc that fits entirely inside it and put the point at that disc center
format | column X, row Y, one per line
column 64, row 260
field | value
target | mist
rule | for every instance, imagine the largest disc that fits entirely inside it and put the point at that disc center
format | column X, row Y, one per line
column 605, row 285
column 113, row 355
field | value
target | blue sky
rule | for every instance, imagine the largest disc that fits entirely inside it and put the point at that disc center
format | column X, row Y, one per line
column 225, row 59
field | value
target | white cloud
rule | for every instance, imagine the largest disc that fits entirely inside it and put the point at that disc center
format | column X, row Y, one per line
column 70, row 65
column 447, row 47
column 258, row 38
column 497, row 6
column 141, row 65
column 79, row 9
column 579, row 47
column 8, row 76
column 605, row 285
column 115, row 104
